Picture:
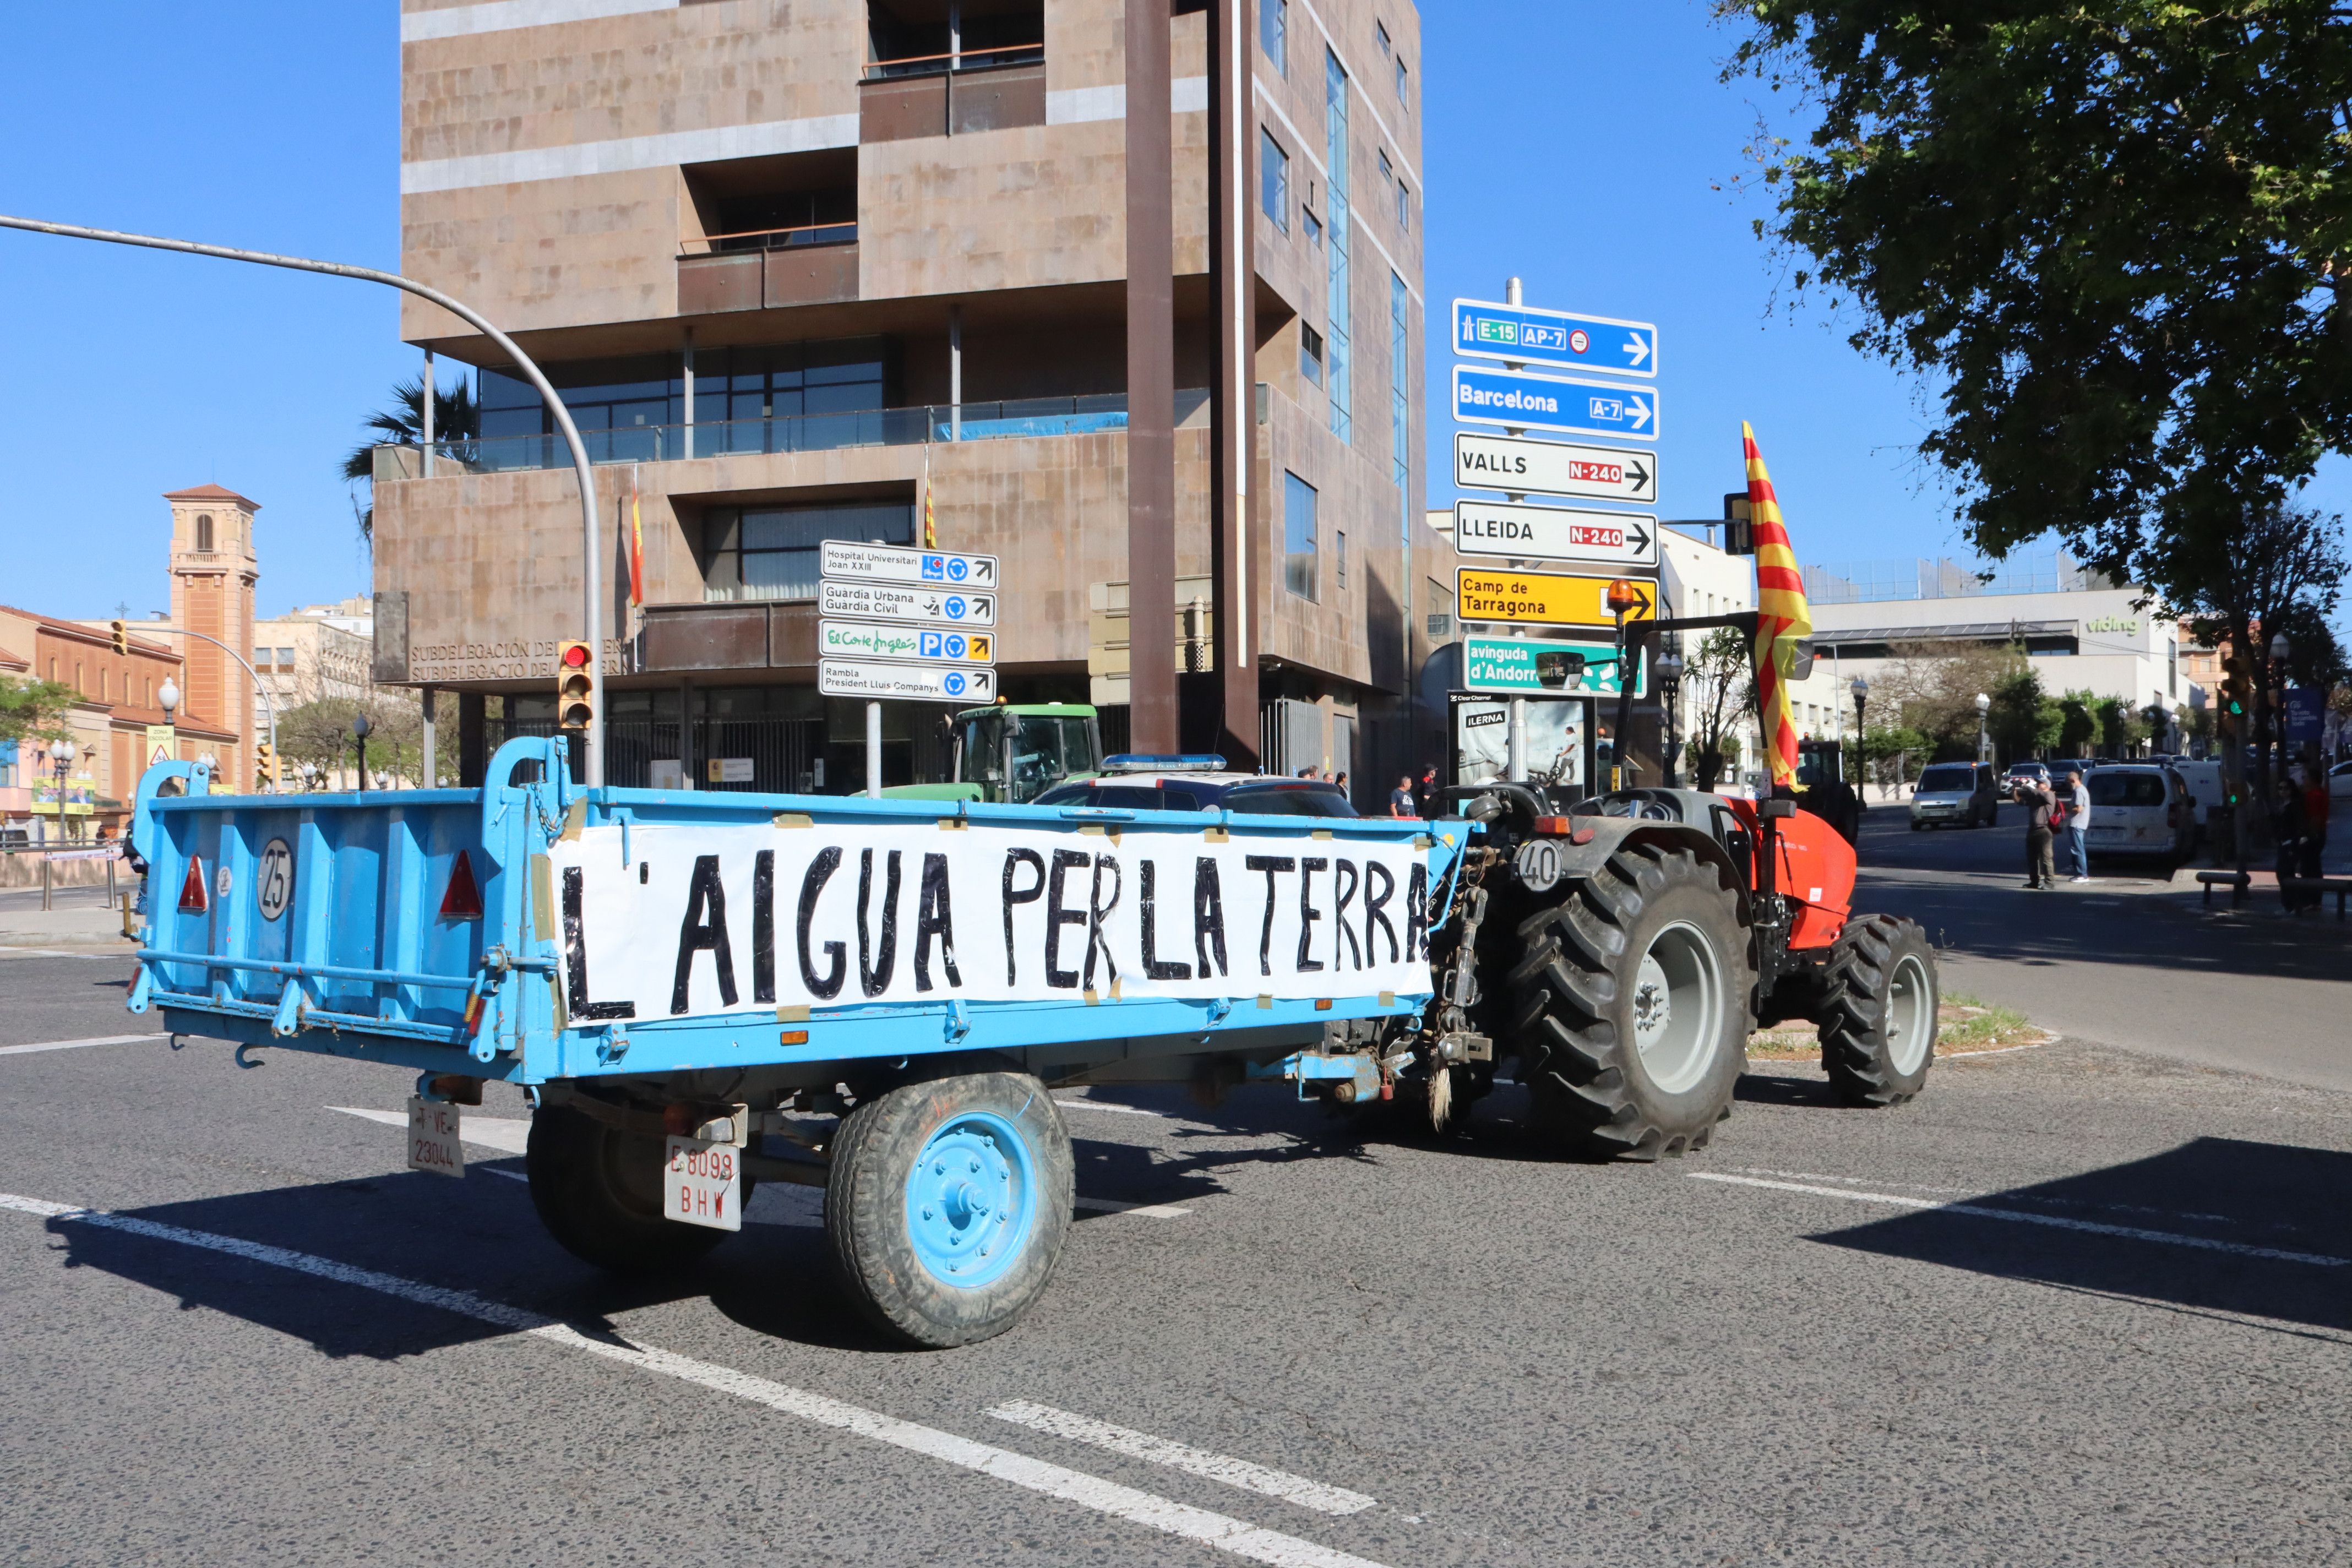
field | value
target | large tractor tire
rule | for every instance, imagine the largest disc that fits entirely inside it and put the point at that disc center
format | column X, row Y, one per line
column 947, row 1205
column 1878, row 1011
column 598, row 1189
column 1629, row 1006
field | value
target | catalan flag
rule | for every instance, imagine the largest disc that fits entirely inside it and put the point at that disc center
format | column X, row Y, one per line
column 931, row 523
column 1782, row 616
column 636, row 548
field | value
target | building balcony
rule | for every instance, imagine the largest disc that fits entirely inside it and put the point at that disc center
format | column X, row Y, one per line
column 1026, row 418
column 769, row 268
column 953, row 95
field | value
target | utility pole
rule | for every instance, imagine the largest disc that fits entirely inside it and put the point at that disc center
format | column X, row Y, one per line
column 1151, row 382
column 1233, row 404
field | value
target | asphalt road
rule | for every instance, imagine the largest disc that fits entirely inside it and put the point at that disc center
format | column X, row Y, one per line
column 2128, row 959
column 2076, row 1304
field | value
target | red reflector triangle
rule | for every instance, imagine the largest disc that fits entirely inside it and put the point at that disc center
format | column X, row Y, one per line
column 463, row 902
column 192, row 891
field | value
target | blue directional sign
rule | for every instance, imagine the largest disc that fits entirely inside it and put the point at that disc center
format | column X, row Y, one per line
column 1483, row 396
column 1484, row 331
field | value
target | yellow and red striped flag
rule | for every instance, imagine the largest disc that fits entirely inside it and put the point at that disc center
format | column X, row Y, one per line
column 1782, row 616
column 636, row 550
column 931, row 523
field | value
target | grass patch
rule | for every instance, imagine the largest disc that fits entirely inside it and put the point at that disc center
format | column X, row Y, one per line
column 1962, row 1024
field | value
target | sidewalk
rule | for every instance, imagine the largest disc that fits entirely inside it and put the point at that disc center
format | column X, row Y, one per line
column 77, row 920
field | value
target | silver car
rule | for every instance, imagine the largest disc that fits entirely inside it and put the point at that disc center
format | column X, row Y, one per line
column 1956, row 795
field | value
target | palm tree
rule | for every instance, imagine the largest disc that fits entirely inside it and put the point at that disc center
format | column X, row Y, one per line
column 454, row 418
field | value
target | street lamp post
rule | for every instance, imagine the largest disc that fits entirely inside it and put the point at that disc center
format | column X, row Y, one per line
column 1861, row 689
column 2276, row 700
column 1670, row 685
column 1984, row 736
column 360, row 733
column 61, row 754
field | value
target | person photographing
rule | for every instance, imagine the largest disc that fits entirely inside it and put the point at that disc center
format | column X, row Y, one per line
column 2040, row 804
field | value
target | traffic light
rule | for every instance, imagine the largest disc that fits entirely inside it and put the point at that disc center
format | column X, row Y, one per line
column 122, row 637
column 1739, row 527
column 2237, row 694
column 576, row 704
column 265, row 763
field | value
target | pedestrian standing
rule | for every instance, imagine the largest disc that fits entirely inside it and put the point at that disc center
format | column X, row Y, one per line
column 1341, row 782
column 2075, row 798
column 2288, row 827
column 2038, row 800
column 1401, row 801
column 1428, row 791
column 2315, row 823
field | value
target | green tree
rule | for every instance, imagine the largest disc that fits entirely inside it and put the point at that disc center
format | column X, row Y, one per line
column 35, row 709
column 2021, row 720
column 454, row 418
column 1722, row 687
column 2079, row 723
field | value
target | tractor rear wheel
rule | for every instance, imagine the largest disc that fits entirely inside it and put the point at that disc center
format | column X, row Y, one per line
column 1878, row 1010
column 1629, row 1006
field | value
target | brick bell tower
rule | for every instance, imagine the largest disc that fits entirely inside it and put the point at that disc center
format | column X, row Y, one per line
column 213, row 569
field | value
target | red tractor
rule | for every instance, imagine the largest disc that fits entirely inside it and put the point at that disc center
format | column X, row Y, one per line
column 1624, row 948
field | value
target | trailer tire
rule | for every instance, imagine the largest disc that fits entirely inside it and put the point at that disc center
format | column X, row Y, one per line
column 1611, row 1066
column 1878, row 1011
column 936, row 1256
column 598, row 1189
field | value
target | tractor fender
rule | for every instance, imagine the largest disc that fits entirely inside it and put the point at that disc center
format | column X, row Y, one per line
column 1544, row 864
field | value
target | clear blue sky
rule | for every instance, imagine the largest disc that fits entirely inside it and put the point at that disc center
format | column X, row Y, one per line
column 1578, row 145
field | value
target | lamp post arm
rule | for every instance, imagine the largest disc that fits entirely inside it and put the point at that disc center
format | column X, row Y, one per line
column 591, row 578
column 269, row 704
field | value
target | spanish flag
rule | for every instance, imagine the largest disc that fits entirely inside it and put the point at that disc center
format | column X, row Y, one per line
column 1783, row 619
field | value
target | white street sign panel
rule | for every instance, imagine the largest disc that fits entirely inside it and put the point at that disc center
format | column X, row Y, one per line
column 896, row 602
column 965, row 683
column 858, row 639
column 1553, row 468
column 1555, row 533
column 1484, row 394
column 942, row 568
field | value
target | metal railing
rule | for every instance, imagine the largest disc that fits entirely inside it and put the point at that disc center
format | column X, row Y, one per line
column 958, row 61
column 1869, row 581
column 1023, row 418
column 749, row 240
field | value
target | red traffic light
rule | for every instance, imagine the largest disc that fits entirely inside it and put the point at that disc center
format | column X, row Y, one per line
column 574, row 656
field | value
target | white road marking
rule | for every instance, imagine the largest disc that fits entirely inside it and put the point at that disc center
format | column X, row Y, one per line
column 1183, row 1457
column 77, row 1045
column 1214, row 1530
column 1107, row 1105
column 506, row 1134
column 62, row 952
column 1979, row 1211
column 1112, row 1205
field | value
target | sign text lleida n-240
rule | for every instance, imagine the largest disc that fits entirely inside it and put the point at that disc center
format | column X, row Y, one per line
column 1545, row 598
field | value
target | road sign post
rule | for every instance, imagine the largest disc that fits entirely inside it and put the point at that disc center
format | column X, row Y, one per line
column 1544, row 598
column 1555, row 533
column 1572, row 406
column 913, row 625
column 1520, row 466
column 1571, row 342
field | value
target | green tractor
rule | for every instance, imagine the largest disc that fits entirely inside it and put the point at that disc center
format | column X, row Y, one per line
column 1014, row 752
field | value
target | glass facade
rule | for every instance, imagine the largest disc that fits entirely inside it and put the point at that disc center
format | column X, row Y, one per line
column 1273, row 180
column 621, row 405
column 1298, row 563
column 771, row 552
column 1400, row 400
column 1273, row 33
column 1335, row 133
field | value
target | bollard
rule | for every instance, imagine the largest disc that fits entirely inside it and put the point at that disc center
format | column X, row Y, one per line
column 44, row 884
column 110, row 884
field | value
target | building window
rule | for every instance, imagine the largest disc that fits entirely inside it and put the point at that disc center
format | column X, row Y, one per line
column 104, row 681
column 1441, row 611
column 1273, row 33
column 1400, row 405
column 1403, row 96
column 1310, row 353
column 1381, row 33
column 1335, row 132
column 1340, row 557
column 204, row 533
column 1298, row 499
column 1404, row 208
column 1273, row 180
column 1314, row 228
column 771, row 552
column 1388, row 170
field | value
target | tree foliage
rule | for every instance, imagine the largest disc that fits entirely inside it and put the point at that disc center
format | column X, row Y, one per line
column 1722, row 687
column 454, row 418
column 35, row 709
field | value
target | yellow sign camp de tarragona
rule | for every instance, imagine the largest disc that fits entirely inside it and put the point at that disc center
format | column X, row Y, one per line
column 1547, row 598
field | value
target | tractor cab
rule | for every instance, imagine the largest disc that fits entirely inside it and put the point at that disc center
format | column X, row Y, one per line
column 1015, row 751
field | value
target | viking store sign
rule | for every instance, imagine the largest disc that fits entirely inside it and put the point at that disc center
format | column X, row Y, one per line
column 711, row 919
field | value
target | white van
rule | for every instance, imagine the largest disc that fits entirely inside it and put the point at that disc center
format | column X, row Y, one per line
column 2206, row 790
column 2141, row 810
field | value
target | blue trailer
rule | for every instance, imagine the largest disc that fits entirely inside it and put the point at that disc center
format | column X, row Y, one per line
column 701, row 991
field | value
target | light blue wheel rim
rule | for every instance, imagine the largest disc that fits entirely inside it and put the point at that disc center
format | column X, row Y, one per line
column 971, row 1200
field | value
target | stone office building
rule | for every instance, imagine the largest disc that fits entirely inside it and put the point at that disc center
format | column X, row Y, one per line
column 794, row 264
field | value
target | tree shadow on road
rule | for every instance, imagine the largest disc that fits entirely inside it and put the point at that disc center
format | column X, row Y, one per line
column 2217, row 1225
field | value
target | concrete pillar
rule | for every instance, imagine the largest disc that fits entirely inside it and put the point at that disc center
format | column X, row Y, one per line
column 687, row 358
column 431, row 388
column 1233, row 402
column 473, row 751
column 1151, row 381
column 955, row 372
column 427, row 773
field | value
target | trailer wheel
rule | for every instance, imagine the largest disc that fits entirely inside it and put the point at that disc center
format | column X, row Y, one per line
column 598, row 1189
column 948, row 1203
column 1630, row 1006
column 1878, row 1011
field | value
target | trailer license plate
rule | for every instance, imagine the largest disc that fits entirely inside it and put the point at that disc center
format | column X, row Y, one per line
column 433, row 1142
column 702, row 1184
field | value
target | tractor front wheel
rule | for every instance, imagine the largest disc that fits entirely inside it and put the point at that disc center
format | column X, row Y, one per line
column 1878, row 1008
column 1630, row 1005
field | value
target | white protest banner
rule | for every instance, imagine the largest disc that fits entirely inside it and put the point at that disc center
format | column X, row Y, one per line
column 716, row 919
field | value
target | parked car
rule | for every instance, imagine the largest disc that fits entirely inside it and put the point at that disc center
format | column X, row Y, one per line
column 2140, row 810
column 1956, row 795
column 2339, row 780
column 1185, row 791
column 2022, row 772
